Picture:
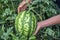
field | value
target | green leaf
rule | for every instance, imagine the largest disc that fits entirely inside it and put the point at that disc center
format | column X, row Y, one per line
column 50, row 32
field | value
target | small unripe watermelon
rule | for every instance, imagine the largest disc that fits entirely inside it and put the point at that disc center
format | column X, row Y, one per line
column 25, row 23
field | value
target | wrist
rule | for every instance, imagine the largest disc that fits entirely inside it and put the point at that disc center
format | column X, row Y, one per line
column 44, row 23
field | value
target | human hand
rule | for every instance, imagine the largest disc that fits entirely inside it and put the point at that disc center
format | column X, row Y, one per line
column 23, row 5
column 51, row 21
column 39, row 26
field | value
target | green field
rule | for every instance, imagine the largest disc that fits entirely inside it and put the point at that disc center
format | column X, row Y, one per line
column 43, row 9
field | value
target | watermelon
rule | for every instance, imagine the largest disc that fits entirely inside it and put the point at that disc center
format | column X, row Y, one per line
column 25, row 24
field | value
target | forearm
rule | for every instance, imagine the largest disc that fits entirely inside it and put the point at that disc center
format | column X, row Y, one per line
column 51, row 21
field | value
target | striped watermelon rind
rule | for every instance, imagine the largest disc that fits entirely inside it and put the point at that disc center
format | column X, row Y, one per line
column 25, row 23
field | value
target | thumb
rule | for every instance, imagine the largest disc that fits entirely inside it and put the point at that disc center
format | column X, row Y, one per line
column 35, row 33
column 37, row 29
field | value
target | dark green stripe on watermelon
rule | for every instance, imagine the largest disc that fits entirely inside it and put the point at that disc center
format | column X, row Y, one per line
column 22, row 21
column 30, row 24
column 16, row 22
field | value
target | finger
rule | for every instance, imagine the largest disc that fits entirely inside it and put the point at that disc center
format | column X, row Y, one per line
column 35, row 33
column 37, row 29
column 22, row 4
column 21, row 7
column 18, row 10
column 24, row 7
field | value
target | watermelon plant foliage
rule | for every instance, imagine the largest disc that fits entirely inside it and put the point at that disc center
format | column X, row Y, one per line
column 43, row 9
